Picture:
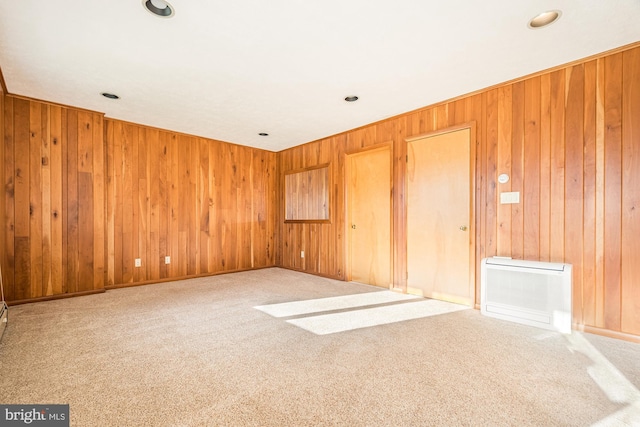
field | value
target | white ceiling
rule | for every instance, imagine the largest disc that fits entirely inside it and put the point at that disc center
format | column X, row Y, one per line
column 231, row 69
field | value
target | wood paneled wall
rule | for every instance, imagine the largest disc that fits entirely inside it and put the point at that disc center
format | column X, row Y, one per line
column 570, row 141
column 208, row 205
column 53, row 203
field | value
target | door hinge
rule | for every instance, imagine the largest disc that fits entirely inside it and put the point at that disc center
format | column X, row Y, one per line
column 407, row 158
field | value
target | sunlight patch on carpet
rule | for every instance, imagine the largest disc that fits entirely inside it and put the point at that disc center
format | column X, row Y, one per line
column 297, row 308
column 356, row 319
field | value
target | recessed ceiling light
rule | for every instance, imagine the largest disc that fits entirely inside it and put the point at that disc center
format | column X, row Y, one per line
column 159, row 8
column 544, row 19
column 110, row 95
column 351, row 98
column 263, row 134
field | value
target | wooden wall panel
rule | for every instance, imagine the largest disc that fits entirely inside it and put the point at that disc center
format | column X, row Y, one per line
column 613, row 191
column 630, row 291
column 208, row 205
column 570, row 141
column 54, row 241
column 574, row 108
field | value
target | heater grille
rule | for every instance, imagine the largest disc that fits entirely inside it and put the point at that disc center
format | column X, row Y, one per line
column 529, row 292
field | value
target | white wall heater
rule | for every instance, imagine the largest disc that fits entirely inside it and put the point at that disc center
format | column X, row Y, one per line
column 529, row 292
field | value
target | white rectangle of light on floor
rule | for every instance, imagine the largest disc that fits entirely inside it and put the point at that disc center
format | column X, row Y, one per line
column 356, row 319
column 296, row 308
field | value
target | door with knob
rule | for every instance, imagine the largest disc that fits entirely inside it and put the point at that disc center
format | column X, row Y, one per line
column 440, row 253
column 369, row 216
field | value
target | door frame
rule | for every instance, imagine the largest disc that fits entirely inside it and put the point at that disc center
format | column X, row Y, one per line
column 472, row 200
column 347, row 212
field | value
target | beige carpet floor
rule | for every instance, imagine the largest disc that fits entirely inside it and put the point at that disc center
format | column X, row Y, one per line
column 197, row 353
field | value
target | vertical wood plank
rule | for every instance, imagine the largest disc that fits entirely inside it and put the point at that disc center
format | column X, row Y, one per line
column 204, row 196
column 56, row 213
column 4, row 181
column 517, row 169
column 557, row 117
column 531, row 184
column 72, row 205
column 184, row 205
column 600, row 192
column 99, row 208
column 491, row 177
column 65, row 198
column 128, row 202
column 117, row 190
column 10, row 177
column 174, row 206
column 574, row 182
column 630, row 291
column 613, row 195
column 589, row 196
column 504, row 167
column 140, row 182
column 35, row 198
column 85, row 202
column 46, row 280
column 153, row 203
column 192, row 213
column 163, row 203
column 545, row 167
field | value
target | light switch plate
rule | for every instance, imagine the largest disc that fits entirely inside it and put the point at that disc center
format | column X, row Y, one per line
column 167, row 260
column 509, row 197
column 138, row 262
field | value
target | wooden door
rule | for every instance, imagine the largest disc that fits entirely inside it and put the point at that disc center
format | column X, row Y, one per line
column 439, row 217
column 369, row 216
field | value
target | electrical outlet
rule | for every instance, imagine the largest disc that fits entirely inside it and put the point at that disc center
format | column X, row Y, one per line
column 167, row 260
column 301, row 254
column 138, row 262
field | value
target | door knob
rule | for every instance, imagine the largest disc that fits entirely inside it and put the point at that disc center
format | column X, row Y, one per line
column 463, row 228
column 353, row 226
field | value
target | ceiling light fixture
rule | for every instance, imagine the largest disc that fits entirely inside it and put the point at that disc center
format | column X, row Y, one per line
column 159, row 8
column 263, row 134
column 351, row 98
column 110, row 95
column 544, row 19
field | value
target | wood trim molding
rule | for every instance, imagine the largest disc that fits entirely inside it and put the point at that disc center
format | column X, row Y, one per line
column 188, row 135
column 55, row 297
column 3, row 84
column 307, row 169
column 376, row 146
column 307, row 221
column 607, row 333
column 55, row 104
column 175, row 279
column 300, row 270
column 470, row 125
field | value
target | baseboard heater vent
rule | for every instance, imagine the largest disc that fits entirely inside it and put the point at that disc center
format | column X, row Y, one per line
column 529, row 292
